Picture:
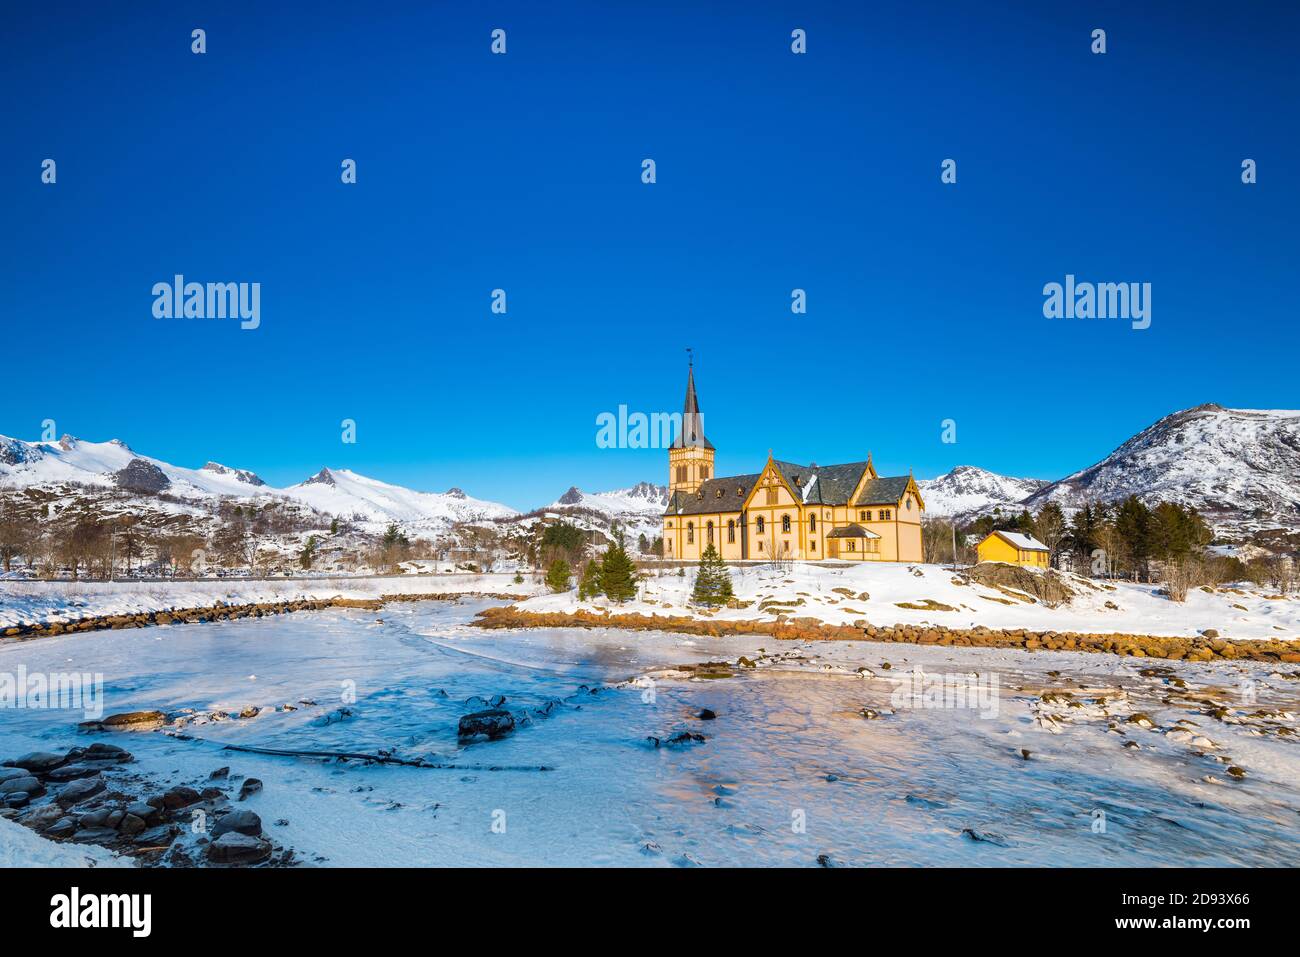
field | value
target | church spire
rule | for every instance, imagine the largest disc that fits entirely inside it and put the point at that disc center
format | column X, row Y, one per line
column 692, row 433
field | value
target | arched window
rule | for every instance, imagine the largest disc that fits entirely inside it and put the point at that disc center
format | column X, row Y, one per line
column 785, row 523
column 731, row 530
column 710, row 533
column 812, row 523
column 758, row 524
column 690, row 533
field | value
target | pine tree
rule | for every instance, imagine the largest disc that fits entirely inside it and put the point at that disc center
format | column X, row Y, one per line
column 617, row 572
column 590, row 585
column 557, row 576
column 713, row 582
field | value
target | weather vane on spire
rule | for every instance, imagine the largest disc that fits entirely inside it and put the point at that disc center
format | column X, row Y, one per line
column 690, row 356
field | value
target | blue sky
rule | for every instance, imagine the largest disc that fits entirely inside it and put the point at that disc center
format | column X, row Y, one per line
column 522, row 172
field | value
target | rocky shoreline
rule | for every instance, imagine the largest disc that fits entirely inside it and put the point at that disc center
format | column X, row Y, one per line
column 1206, row 647
column 91, row 795
column 222, row 611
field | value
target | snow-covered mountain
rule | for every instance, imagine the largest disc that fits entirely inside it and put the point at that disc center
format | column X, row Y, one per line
column 1237, row 466
column 641, row 499
column 344, row 493
column 336, row 492
column 967, row 491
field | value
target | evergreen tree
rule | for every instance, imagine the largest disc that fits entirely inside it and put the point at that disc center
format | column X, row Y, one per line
column 713, row 581
column 618, row 576
column 557, row 576
column 308, row 553
column 589, row 587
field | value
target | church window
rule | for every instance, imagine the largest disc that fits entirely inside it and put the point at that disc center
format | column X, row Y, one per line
column 812, row 523
column 851, row 545
column 864, row 516
column 908, row 503
column 812, row 547
column 785, row 523
column 690, row 533
column 731, row 530
column 704, row 471
column 681, row 473
column 758, row 524
column 886, row 514
column 710, row 533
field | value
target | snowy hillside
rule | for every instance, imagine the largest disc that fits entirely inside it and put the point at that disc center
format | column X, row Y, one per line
column 967, row 491
column 345, row 493
column 1237, row 466
column 641, row 499
column 339, row 492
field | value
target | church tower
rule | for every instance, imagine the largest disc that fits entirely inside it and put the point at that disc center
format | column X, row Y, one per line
column 690, row 460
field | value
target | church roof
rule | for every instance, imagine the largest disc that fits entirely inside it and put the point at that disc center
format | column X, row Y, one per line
column 852, row 531
column 883, row 491
column 692, row 433
column 734, row 489
column 814, row 484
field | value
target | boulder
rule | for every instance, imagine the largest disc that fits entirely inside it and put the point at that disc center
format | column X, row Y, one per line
column 250, row 787
column 133, row 721
column 17, row 800
column 146, row 812
column 235, row 848
column 37, row 761
column 131, row 825
column 494, row 723
column 7, row 774
column 243, row 822
column 79, row 791
column 95, row 835
column 179, row 797
column 70, row 772
column 26, row 784
column 63, row 827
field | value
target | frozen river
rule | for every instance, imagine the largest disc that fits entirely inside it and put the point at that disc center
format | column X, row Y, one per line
column 789, row 773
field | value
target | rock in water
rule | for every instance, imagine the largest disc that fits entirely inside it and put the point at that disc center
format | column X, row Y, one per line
column 78, row 791
column 249, row 787
column 235, row 848
column 37, row 761
column 25, row 785
column 242, row 822
column 180, row 796
column 494, row 723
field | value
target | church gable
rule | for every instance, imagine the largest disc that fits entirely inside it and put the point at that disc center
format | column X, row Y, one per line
column 772, row 488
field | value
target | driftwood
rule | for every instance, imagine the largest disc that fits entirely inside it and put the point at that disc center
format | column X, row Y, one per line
column 384, row 759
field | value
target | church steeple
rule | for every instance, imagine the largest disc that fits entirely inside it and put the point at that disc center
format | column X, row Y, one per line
column 690, row 459
column 692, row 433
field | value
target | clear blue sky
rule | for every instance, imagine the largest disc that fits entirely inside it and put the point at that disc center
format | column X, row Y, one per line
column 522, row 171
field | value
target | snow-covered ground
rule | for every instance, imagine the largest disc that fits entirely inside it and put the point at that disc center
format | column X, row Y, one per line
column 1239, row 611
column 789, row 772
column 809, row 590
column 41, row 601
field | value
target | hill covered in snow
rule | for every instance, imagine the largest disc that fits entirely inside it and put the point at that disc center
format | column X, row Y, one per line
column 967, row 491
column 342, row 493
column 1238, row 467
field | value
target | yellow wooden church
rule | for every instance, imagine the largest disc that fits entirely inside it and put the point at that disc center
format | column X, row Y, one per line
column 785, row 511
